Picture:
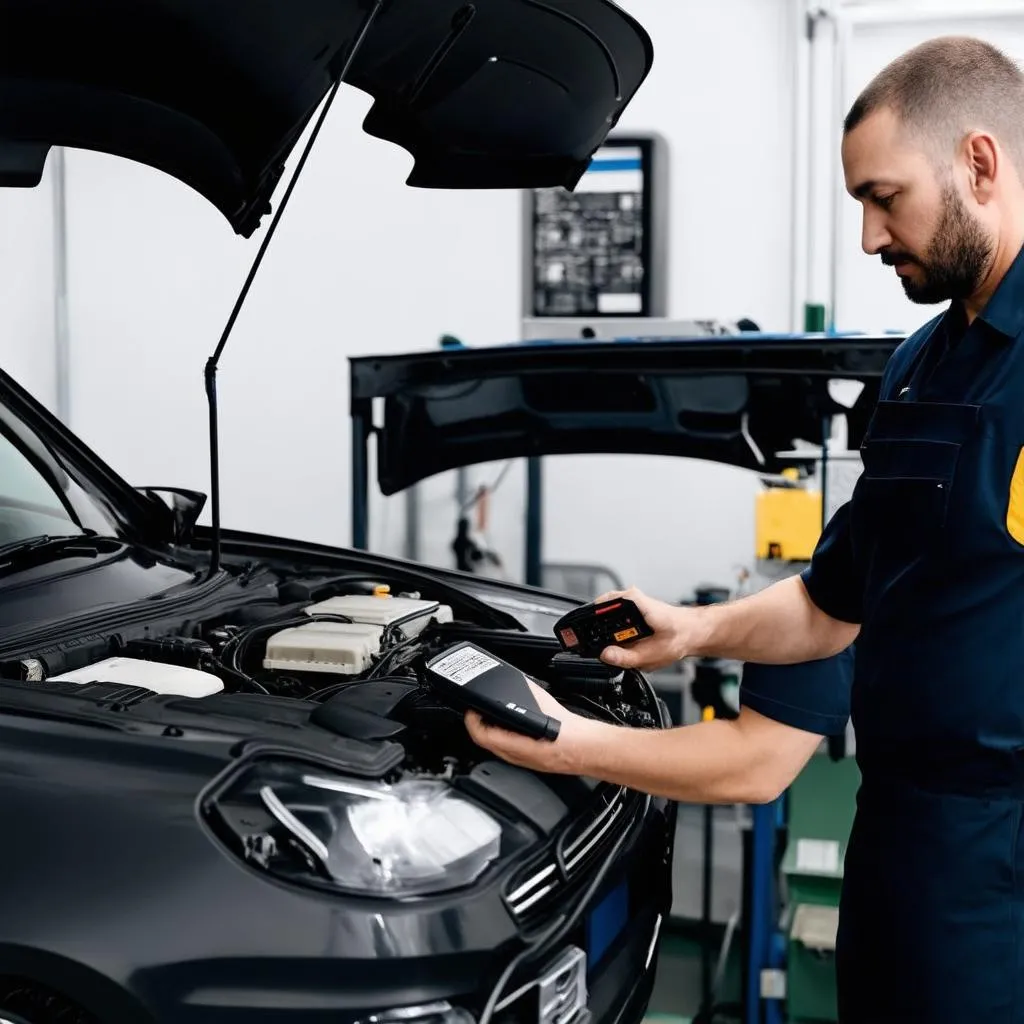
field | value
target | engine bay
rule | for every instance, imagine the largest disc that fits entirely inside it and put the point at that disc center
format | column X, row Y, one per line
column 346, row 659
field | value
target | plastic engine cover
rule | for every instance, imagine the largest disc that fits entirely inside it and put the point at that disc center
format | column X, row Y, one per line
column 336, row 647
column 345, row 648
column 409, row 614
column 173, row 680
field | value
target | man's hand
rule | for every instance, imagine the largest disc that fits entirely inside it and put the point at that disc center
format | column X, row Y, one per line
column 669, row 643
column 567, row 755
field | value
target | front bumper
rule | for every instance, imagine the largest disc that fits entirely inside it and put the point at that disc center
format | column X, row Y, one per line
column 617, row 991
column 187, row 934
column 617, row 933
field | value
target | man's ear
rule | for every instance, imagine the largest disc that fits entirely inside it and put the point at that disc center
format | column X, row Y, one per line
column 984, row 160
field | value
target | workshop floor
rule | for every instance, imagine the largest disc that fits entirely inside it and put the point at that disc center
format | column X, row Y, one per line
column 678, row 986
column 677, row 991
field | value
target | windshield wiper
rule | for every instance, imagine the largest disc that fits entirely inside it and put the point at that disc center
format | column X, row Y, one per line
column 35, row 550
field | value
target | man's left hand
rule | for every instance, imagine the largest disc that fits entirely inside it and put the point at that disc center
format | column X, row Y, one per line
column 567, row 755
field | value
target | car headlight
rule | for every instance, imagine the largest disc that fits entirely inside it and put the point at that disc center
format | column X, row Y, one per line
column 416, row 837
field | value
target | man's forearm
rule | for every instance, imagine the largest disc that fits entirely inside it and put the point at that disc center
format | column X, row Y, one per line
column 781, row 625
column 749, row 760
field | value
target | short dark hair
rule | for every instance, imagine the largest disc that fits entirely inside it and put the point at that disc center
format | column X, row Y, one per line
column 947, row 87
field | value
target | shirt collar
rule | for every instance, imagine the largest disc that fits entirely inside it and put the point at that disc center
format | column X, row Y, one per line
column 1004, row 312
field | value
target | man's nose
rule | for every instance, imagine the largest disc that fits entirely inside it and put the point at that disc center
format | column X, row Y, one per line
column 874, row 234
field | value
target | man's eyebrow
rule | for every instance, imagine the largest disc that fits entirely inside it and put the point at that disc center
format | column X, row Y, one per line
column 865, row 189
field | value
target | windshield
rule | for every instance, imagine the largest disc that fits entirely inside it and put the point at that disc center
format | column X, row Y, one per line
column 37, row 498
column 29, row 504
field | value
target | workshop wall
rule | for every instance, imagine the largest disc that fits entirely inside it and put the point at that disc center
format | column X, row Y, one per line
column 724, row 100
column 362, row 264
column 866, row 295
column 27, row 314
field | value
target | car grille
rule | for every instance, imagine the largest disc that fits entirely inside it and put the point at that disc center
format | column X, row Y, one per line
column 535, row 888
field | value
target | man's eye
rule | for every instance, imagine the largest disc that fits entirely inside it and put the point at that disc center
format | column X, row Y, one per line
column 885, row 202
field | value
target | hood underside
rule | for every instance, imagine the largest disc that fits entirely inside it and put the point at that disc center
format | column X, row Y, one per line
column 484, row 94
column 746, row 400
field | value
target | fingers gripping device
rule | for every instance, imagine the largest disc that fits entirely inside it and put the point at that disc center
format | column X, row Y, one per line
column 589, row 629
column 469, row 677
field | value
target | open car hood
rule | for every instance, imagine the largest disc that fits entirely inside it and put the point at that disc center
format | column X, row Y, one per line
column 746, row 400
column 491, row 94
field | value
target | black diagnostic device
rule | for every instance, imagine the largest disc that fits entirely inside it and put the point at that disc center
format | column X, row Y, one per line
column 470, row 677
column 588, row 630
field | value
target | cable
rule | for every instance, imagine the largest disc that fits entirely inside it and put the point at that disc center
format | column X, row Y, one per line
column 329, row 691
column 240, row 644
column 600, row 712
column 385, row 662
column 395, row 624
column 247, row 682
column 230, row 657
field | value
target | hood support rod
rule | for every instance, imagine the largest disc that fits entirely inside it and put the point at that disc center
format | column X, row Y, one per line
column 210, row 374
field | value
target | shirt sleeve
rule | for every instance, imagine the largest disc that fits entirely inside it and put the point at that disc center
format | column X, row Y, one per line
column 834, row 580
column 813, row 696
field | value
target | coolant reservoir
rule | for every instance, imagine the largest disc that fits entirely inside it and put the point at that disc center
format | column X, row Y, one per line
column 174, row 680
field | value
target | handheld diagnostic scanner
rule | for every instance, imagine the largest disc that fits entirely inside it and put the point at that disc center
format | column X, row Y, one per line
column 469, row 677
column 589, row 629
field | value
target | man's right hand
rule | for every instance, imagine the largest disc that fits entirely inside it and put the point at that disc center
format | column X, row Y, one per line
column 669, row 643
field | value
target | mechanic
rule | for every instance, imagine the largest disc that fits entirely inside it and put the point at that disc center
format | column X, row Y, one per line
column 924, row 569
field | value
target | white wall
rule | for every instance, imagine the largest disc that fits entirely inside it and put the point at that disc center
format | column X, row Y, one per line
column 724, row 102
column 27, row 289
column 723, row 98
column 363, row 264
column 866, row 295
column 360, row 264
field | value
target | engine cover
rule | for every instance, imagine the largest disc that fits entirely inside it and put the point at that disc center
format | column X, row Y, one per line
column 349, row 648
column 335, row 647
column 172, row 680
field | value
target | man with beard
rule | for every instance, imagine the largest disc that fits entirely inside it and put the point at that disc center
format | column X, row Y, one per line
column 924, row 568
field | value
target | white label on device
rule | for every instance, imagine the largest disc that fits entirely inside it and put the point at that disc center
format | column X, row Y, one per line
column 464, row 665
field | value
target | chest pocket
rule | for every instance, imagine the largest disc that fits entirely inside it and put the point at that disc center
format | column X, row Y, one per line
column 911, row 456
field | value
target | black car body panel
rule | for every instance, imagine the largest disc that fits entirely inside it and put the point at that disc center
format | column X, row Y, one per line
column 138, row 900
column 158, row 921
column 499, row 94
column 741, row 400
column 54, row 593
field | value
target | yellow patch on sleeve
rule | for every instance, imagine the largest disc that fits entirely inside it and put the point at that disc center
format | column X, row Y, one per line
column 1015, row 509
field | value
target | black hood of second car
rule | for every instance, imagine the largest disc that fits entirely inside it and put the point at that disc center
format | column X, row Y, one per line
column 483, row 94
column 745, row 400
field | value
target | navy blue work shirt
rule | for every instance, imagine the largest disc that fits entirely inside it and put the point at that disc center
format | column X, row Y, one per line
column 928, row 557
column 813, row 696
column 943, row 483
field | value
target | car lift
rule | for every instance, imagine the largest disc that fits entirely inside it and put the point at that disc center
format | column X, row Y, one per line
column 533, row 330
